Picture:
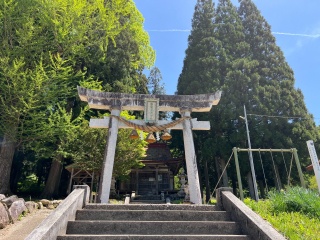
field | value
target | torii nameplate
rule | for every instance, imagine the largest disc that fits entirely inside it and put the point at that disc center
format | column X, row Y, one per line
column 167, row 103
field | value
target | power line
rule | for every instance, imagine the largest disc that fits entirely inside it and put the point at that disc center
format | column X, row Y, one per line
column 273, row 116
column 285, row 117
column 274, row 33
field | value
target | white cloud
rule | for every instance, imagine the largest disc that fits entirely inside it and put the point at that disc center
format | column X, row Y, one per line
column 316, row 30
column 316, row 35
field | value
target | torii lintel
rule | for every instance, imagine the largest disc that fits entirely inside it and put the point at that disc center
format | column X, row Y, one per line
column 107, row 100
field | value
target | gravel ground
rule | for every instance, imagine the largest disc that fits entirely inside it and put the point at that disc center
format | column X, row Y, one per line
column 21, row 229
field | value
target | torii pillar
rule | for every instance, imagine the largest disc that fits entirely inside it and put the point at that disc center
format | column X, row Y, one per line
column 115, row 102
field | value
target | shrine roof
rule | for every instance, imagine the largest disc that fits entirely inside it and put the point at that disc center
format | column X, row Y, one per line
column 310, row 167
column 158, row 152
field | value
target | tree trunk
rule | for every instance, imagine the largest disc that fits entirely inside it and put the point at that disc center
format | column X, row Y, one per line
column 6, row 158
column 220, row 165
column 206, row 175
column 262, row 190
column 216, row 159
column 225, row 175
column 51, row 188
column 234, row 185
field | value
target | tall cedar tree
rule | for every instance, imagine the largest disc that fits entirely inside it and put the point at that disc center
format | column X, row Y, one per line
column 202, row 75
column 251, row 70
column 275, row 94
column 155, row 84
column 200, row 72
column 226, row 131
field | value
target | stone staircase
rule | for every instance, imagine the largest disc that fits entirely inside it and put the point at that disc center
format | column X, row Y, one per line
column 147, row 199
column 149, row 221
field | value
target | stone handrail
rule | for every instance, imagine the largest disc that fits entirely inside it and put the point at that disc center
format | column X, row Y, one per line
column 56, row 223
column 250, row 222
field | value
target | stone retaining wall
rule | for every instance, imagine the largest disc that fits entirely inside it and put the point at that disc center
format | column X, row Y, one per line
column 12, row 208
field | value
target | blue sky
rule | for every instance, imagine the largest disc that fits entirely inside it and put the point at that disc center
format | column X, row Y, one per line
column 295, row 24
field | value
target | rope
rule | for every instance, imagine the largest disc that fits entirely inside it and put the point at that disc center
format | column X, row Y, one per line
column 150, row 128
column 290, row 169
column 264, row 175
column 215, row 188
column 274, row 167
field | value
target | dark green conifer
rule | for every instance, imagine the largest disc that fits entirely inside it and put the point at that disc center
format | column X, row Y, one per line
column 200, row 73
column 234, row 50
column 275, row 94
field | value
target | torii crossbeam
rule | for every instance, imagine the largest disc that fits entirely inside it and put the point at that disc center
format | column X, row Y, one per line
column 115, row 102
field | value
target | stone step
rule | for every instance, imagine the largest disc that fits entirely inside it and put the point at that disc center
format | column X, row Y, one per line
column 153, row 227
column 147, row 202
column 154, row 237
column 147, row 197
column 190, row 207
column 152, row 215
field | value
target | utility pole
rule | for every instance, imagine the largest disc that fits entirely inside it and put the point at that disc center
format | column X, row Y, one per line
column 253, row 173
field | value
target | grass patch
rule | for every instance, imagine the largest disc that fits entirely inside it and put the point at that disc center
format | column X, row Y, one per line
column 116, row 201
column 295, row 212
column 296, row 199
column 212, row 201
column 177, row 201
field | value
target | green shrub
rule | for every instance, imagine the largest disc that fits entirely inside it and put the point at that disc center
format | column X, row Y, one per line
column 295, row 212
column 212, row 201
column 116, row 201
column 178, row 201
column 313, row 183
column 30, row 186
column 296, row 199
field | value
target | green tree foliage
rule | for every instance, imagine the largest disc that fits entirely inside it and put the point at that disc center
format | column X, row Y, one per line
column 27, row 96
column 87, row 149
column 50, row 47
column 233, row 50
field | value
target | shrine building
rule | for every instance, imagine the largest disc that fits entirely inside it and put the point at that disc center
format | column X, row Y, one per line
column 156, row 176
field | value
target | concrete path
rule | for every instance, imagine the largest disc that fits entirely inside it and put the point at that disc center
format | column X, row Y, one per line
column 21, row 229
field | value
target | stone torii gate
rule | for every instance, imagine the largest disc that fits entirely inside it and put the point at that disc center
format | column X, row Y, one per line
column 151, row 104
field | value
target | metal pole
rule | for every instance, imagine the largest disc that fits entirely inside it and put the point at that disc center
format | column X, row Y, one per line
column 296, row 158
column 263, row 150
column 235, row 152
column 251, row 158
